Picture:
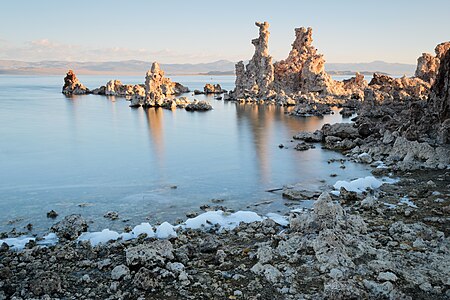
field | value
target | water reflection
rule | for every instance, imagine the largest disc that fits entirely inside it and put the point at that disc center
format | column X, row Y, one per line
column 155, row 124
column 93, row 149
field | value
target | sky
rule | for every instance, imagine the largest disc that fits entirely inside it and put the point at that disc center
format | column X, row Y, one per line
column 196, row 31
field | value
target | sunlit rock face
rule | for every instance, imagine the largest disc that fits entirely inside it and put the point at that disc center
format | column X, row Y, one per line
column 154, row 81
column 157, row 87
column 72, row 86
column 213, row 89
column 428, row 65
column 303, row 69
column 117, row 88
column 404, row 88
column 257, row 76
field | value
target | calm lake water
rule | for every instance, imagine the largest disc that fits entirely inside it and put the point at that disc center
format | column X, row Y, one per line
column 58, row 152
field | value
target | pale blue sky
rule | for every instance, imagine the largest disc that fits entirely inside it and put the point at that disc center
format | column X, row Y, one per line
column 203, row 31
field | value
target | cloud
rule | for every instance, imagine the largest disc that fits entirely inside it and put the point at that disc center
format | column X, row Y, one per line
column 45, row 49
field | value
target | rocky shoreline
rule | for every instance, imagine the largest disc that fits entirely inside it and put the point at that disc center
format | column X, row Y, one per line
column 351, row 246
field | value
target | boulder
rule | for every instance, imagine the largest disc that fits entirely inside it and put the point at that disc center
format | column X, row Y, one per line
column 213, row 89
column 198, row 106
column 149, row 255
column 70, row 227
column 341, row 130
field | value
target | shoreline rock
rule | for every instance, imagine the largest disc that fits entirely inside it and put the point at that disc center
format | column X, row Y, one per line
column 341, row 249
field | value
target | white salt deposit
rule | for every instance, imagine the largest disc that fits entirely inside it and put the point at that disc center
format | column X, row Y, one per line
column 101, row 237
column 379, row 164
column 406, row 201
column 19, row 243
column 165, row 230
column 279, row 219
column 361, row 184
column 226, row 221
column 143, row 228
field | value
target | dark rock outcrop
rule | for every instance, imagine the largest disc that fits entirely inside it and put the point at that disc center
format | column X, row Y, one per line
column 70, row 227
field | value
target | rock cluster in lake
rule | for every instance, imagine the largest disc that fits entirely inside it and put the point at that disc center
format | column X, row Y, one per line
column 157, row 91
column 72, row 86
column 408, row 134
column 301, row 79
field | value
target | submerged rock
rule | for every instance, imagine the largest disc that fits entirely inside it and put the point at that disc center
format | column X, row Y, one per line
column 52, row 214
column 72, row 86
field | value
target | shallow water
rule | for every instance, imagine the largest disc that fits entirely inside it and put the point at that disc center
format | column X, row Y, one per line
column 58, row 152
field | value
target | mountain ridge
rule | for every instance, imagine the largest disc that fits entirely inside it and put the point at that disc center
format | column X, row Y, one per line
column 139, row 67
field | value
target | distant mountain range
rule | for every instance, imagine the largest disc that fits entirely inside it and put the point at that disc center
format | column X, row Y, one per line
column 138, row 67
column 371, row 67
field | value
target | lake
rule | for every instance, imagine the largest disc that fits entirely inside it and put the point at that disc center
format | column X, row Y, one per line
column 93, row 154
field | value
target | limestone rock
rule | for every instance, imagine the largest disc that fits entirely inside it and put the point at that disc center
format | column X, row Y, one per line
column 158, row 87
column 341, row 130
column 439, row 101
column 145, row 279
column 213, row 89
column 303, row 69
column 312, row 137
column 111, row 87
column 119, row 272
column 138, row 97
column 255, row 78
column 428, row 65
column 150, row 255
column 198, row 106
column 72, row 86
column 403, row 88
column 99, row 91
column 70, row 227
column 46, row 283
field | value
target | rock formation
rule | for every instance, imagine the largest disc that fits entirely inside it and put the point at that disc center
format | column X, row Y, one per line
column 304, row 69
column 404, row 88
column 72, row 86
column 301, row 72
column 213, row 89
column 428, row 65
column 116, row 88
column 198, row 106
column 255, row 78
column 158, row 87
column 439, row 100
column 154, row 82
